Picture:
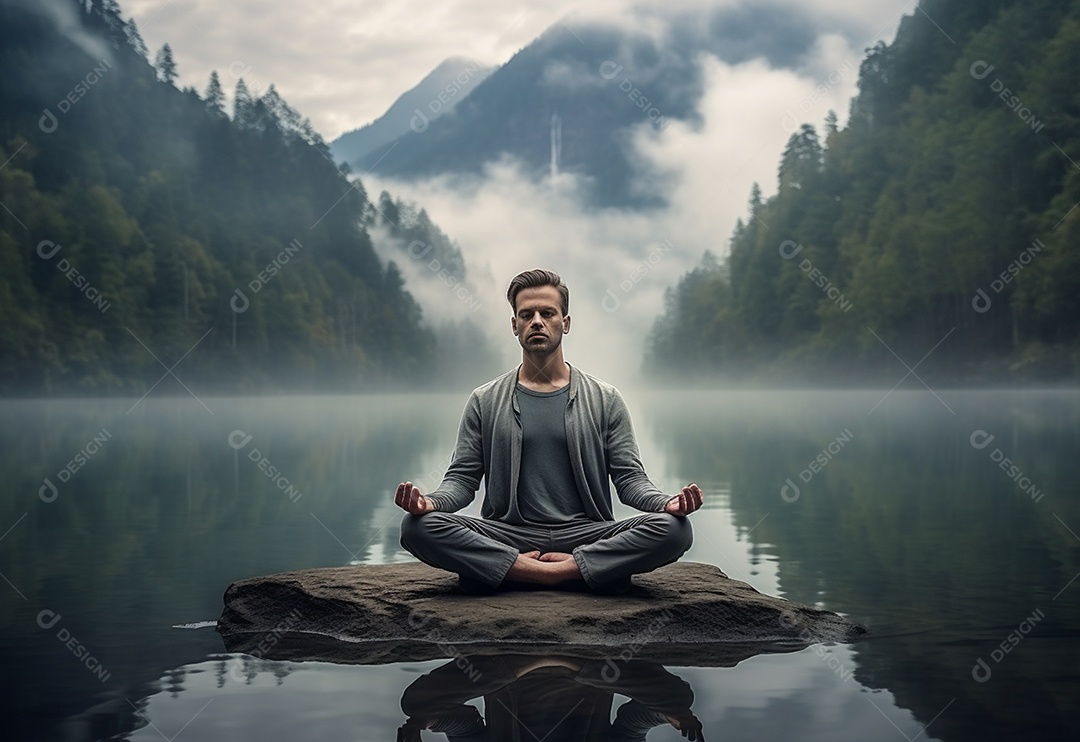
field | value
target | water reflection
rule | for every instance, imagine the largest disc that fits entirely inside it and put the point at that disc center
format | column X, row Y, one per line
column 533, row 697
column 908, row 528
column 911, row 529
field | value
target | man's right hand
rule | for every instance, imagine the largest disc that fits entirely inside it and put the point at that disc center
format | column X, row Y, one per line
column 408, row 498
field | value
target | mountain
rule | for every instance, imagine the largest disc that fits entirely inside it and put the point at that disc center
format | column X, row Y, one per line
column 437, row 94
column 593, row 83
column 144, row 230
column 511, row 113
column 941, row 224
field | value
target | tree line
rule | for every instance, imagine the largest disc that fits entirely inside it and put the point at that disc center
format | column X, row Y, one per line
column 146, row 228
column 941, row 221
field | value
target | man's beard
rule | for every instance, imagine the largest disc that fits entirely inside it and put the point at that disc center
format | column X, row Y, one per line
column 550, row 345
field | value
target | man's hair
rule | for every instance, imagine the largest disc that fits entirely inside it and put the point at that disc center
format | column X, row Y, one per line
column 535, row 279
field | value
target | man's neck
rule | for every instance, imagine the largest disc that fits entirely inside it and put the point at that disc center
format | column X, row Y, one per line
column 544, row 373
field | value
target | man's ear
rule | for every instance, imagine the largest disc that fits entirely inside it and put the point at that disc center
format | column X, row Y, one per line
column 566, row 324
column 513, row 325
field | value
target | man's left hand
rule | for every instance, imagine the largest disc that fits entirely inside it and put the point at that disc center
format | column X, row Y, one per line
column 685, row 502
column 687, row 724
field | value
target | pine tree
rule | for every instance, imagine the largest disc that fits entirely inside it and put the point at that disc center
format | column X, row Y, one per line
column 135, row 40
column 242, row 104
column 165, row 65
column 215, row 96
column 801, row 159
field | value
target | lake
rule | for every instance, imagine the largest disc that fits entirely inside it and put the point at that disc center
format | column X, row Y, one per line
column 945, row 522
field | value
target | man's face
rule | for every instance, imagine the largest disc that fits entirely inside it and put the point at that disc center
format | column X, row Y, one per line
column 539, row 323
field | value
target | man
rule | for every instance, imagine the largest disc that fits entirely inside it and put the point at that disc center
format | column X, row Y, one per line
column 545, row 438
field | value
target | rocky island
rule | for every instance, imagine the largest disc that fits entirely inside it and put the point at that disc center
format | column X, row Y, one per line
column 685, row 613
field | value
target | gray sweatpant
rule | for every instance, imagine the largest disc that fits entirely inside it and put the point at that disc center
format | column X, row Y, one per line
column 606, row 552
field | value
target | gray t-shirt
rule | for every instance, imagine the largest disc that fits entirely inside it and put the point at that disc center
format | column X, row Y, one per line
column 547, row 491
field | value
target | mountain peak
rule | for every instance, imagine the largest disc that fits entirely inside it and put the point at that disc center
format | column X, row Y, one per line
column 440, row 90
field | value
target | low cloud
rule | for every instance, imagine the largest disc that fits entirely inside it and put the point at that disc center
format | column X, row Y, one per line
column 618, row 263
column 343, row 66
column 69, row 24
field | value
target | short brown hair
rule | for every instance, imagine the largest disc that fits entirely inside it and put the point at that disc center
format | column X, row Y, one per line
column 535, row 279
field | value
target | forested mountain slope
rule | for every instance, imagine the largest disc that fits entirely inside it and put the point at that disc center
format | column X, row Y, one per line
column 141, row 222
column 942, row 218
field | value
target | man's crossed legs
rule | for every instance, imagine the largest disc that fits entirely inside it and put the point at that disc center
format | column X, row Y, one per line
column 606, row 553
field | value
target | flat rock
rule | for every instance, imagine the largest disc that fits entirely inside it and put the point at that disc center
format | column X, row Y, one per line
column 686, row 613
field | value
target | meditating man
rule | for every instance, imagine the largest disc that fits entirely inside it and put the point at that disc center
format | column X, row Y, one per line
column 545, row 438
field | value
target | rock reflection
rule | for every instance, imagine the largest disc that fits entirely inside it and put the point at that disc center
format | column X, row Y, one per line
column 542, row 697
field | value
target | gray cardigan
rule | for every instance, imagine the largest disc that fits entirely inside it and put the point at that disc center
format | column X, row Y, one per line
column 599, row 436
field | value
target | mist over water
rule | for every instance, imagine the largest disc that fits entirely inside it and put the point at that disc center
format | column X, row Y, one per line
column 147, row 531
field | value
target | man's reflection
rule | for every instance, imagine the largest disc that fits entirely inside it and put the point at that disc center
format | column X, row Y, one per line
column 530, row 697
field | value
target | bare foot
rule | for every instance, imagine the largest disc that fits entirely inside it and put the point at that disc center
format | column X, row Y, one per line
column 545, row 569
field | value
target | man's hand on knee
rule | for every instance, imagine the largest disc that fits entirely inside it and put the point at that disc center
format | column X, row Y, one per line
column 685, row 502
column 408, row 498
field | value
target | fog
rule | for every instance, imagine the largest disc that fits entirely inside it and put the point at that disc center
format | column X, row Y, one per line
column 616, row 262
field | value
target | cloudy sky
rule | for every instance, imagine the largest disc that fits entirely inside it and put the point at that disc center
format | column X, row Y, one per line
column 343, row 62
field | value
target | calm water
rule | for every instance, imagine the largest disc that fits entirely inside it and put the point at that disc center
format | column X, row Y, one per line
column 902, row 513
